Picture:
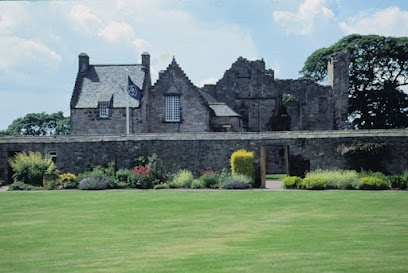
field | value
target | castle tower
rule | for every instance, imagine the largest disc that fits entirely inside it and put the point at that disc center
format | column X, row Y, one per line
column 338, row 76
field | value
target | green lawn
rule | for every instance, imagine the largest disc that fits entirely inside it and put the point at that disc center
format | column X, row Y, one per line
column 204, row 231
column 276, row 176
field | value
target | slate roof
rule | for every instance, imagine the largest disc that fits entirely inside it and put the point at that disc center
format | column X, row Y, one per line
column 102, row 81
column 220, row 109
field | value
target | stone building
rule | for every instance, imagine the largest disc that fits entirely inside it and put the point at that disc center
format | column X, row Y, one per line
column 246, row 98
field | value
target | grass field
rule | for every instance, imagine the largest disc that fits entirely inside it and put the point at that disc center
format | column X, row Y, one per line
column 276, row 176
column 204, row 231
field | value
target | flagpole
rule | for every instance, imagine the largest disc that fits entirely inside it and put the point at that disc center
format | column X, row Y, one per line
column 127, row 106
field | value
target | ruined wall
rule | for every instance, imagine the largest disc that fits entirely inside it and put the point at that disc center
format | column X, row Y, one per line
column 248, row 88
column 88, row 121
column 312, row 107
column 251, row 90
column 194, row 112
column 207, row 151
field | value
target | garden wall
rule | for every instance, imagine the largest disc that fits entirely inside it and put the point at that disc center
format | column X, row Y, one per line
column 209, row 151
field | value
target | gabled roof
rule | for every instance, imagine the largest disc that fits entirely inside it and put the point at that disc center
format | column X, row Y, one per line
column 101, row 82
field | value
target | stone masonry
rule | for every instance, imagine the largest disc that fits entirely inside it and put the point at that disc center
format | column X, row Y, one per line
column 199, row 152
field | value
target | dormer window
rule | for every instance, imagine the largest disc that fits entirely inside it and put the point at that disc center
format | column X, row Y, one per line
column 173, row 108
column 104, row 109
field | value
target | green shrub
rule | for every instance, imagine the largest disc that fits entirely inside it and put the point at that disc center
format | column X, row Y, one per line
column 397, row 181
column 31, row 168
column 125, row 176
column 197, row 184
column 405, row 178
column 93, row 183
column 292, row 182
column 182, row 179
column 1, row 183
column 161, row 186
column 372, row 183
column 67, row 181
column 314, row 183
column 238, row 181
column 20, row 186
column 209, row 180
column 337, row 179
column 242, row 162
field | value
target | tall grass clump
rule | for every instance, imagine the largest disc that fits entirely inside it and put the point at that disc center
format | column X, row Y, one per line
column 337, row 179
column 31, row 168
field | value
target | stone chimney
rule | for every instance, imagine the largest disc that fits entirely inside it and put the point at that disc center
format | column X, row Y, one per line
column 83, row 63
column 146, row 60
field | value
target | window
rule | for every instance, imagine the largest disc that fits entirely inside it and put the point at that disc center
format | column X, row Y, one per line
column 173, row 108
column 104, row 109
column 53, row 156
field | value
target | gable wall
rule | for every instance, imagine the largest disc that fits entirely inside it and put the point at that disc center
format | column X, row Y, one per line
column 194, row 113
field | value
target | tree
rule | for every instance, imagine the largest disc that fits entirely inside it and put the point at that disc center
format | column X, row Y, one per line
column 39, row 124
column 378, row 69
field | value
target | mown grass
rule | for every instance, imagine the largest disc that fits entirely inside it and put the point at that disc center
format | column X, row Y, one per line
column 276, row 176
column 204, row 231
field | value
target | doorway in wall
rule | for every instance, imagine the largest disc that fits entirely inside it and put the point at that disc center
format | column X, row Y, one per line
column 274, row 162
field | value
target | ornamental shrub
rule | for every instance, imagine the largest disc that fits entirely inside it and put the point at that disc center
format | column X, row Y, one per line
column 242, row 162
column 372, row 183
column 238, row 181
column 292, row 182
column 67, row 181
column 31, row 168
column 125, row 176
column 314, row 183
column 209, row 180
column 197, row 184
column 337, row 179
column 143, row 178
column 93, row 183
column 161, row 186
column 397, row 181
column 20, row 186
column 182, row 179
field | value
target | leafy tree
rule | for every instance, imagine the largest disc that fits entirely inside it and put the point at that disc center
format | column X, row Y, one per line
column 378, row 69
column 39, row 124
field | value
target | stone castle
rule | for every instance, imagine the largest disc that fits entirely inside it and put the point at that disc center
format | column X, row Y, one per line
column 248, row 98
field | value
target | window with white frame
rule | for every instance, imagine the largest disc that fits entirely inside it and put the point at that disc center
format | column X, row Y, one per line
column 104, row 109
column 173, row 108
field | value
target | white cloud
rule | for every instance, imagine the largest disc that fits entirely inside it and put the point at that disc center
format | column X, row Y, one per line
column 84, row 19
column 142, row 45
column 27, row 54
column 390, row 22
column 115, row 31
column 302, row 22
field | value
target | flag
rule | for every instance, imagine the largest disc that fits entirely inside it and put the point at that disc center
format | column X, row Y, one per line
column 134, row 91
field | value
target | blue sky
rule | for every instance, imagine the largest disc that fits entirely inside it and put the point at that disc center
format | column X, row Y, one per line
column 40, row 40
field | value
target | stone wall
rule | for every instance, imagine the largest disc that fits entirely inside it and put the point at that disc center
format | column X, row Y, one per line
column 88, row 121
column 208, row 151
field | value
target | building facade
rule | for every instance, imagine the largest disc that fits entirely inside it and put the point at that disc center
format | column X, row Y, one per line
column 247, row 98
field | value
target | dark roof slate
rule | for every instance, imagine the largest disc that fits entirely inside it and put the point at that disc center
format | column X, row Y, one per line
column 102, row 81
